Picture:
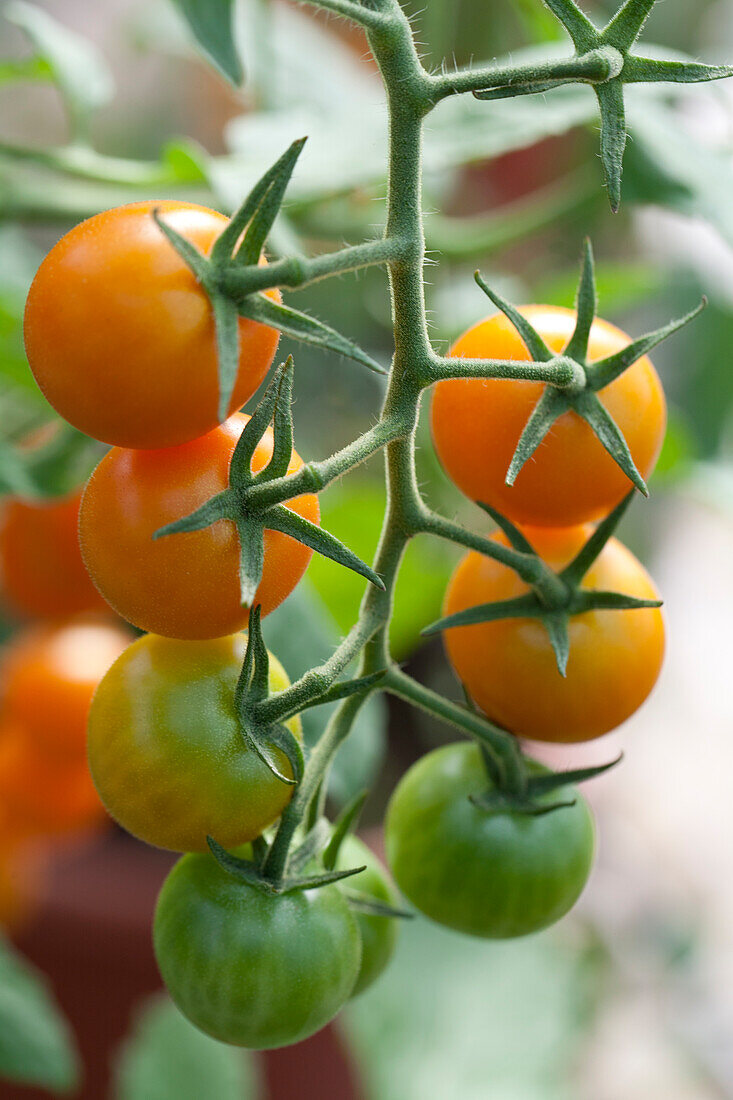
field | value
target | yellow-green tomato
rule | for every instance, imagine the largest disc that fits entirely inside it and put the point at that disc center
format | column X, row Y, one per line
column 378, row 933
column 166, row 751
column 253, row 969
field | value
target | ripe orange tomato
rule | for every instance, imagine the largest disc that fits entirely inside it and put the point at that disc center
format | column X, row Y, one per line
column 120, row 335
column 509, row 667
column 48, row 675
column 40, row 564
column 570, row 478
column 22, row 869
column 43, row 795
column 183, row 585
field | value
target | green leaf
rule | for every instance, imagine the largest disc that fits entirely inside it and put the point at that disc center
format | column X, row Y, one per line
column 452, row 1017
column 167, row 1058
column 83, row 78
column 212, row 23
column 36, row 1045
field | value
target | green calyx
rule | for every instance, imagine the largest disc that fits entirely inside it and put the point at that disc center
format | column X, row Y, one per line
column 555, row 597
column 240, row 505
column 579, row 381
column 604, row 59
column 234, row 278
column 531, row 801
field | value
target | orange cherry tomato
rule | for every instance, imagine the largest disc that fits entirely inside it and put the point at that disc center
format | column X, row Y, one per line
column 48, row 675
column 570, row 478
column 509, row 666
column 40, row 564
column 184, row 585
column 44, row 795
column 22, row 871
column 120, row 335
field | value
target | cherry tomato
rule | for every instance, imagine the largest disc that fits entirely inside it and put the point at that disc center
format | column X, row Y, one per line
column 166, row 750
column 184, row 585
column 378, row 933
column 48, row 675
column 570, row 478
column 40, row 564
column 496, row 874
column 509, row 667
column 120, row 335
column 22, row 871
column 250, row 969
column 44, row 795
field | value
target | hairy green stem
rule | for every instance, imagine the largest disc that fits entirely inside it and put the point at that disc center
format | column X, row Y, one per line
column 295, row 272
column 595, row 66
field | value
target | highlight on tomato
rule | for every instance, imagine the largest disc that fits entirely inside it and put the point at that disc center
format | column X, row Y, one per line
column 571, row 478
column 48, row 675
column 496, row 874
column 252, row 969
column 166, row 750
column 120, row 335
column 41, row 571
column 509, row 668
column 182, row 585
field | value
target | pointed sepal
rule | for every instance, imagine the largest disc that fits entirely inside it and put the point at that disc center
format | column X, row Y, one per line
column 529, row 335
column 280, row 518
column 345, row 824
column 518, row 607
column 604, row 371
column 575, row 570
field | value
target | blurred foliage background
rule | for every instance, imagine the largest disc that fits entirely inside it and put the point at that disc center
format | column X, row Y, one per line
column 103, row 104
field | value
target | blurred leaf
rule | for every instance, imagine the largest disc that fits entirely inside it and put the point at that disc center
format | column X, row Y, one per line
column 667, row 166
column 81, row 74
column 36, row 1045
column 302, row 634
column 354, row 512
column 679, row 451
column 481, row 1019
column 212, row 23
column 619, row 286
column 167, row 1058
column 26, row 68
column 187, row 160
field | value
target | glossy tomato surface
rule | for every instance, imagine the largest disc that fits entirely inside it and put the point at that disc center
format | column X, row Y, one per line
column 183, row 585
column 253, row 970
column 509, row 667
column 41, row 571
column 378, row 933
column 571, row 478
column 491, row 874
column 48, row 675
column 166, row 751
column 120, row 335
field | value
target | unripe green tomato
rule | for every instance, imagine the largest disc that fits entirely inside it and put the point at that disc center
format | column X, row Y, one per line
column 166, row 751
column 251, row 969
column 378, row 934
column 496, row 874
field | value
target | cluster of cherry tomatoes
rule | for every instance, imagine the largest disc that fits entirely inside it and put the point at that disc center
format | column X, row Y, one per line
column 48, row 673
column 506, row 874
column 121, row 340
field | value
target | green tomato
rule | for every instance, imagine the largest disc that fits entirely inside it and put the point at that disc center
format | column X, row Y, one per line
column 378, row 934
column 248, row 968
column 166, row 751
column 494, row 874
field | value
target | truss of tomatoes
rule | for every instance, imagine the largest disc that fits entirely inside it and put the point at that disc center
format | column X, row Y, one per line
column 164, row 745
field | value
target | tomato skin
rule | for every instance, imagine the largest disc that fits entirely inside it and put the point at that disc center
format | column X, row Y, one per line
column 249, row 969
column 48, row 676
column 570, row 479
column 494, row 875
column 509, row 667
column 166, row 751
column 378, row 934
column 184, row 585
column 120, row 335
column 40, row 564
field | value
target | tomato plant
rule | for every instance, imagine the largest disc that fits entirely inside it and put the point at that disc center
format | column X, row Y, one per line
column 113, row 291
column 378, row 932
column 509, row 667
column 166, row 751
column 496, row 875
column 251, row 969
column 186, row 585
column 571, row 478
